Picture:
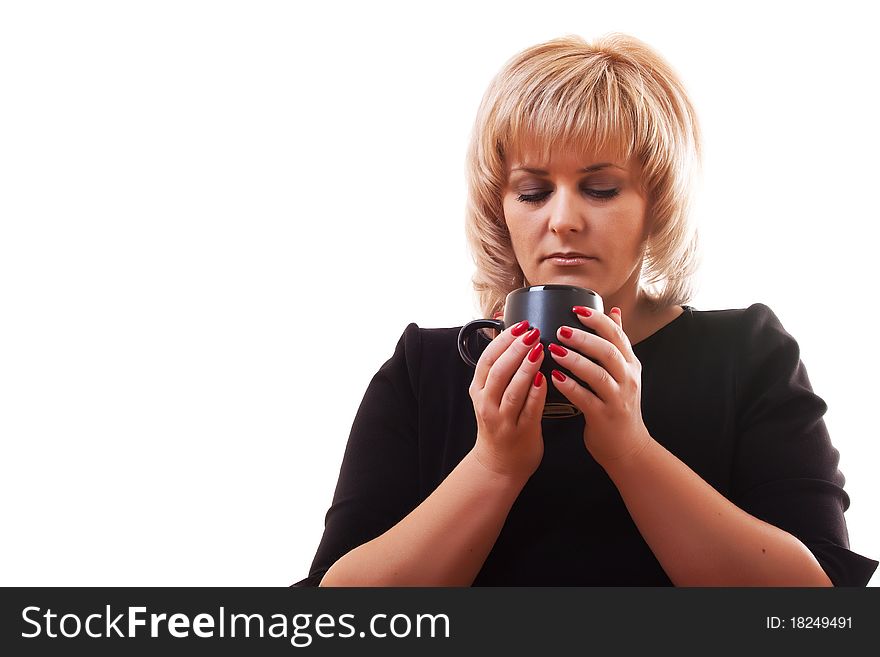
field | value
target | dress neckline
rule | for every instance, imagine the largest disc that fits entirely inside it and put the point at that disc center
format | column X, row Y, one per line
column 686, row 310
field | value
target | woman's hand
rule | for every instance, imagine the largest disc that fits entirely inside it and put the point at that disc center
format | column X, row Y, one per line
column 614, row 428
column 508, row 392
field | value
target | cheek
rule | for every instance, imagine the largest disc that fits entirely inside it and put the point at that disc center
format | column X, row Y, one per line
column 522, row 236
column 509, row 210
column 517, row 224
column 630, row 222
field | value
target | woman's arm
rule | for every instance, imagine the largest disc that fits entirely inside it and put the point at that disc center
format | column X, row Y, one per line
column 699, row 536
column 444, row 541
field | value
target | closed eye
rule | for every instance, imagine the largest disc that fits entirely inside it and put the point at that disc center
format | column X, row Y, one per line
column 602, row 194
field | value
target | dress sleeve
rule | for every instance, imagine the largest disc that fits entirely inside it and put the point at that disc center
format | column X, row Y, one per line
column 785, row 466
column 378, row 481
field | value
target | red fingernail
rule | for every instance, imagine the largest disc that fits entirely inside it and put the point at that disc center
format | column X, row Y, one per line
column 531, row 336
column 559, row 376
column 539, row 379
column 520, row 328
column 615, row 310
column 581, row 310
column 565, row 332
column 535, row 353
column 556, row 350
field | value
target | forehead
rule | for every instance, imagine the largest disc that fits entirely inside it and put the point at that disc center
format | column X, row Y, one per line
column 570, row 161
column 562, row 156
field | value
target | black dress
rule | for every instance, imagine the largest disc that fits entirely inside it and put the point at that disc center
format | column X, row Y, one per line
column 723, row 390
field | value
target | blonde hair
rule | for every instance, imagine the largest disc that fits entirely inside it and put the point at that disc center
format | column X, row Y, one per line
column 616, row 94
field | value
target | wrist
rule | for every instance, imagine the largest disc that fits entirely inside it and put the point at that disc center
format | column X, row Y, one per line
column 631, row 460
column 488, row 469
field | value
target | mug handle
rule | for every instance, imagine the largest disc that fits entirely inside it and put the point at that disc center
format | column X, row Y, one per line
column 469, row 328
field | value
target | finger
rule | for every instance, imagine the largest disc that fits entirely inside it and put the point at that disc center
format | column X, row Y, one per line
column 516, row 392
column 582, row 398
column 595, row 348
column 505, row 367
column 497, row 315
column 594, row 375
column 615, row 315
column 494, row 350
column 608, row 328
column 533, row 410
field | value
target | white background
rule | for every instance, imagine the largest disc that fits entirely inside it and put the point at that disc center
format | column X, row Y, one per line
column 218, row 218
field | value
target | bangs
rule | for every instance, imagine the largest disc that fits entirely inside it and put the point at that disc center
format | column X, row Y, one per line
column 580, row 113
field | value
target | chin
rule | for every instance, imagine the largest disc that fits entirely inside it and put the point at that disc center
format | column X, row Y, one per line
column 571, row 279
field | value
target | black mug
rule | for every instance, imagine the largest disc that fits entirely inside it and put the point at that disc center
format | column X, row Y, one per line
column 545, row 307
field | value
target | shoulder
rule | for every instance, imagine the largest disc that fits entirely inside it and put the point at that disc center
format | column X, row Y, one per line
column 741, row 328
column 416, row 341
column 439, row 337
column 767, row 362
column 735, row 320
column 740, row 340
column 434, row 348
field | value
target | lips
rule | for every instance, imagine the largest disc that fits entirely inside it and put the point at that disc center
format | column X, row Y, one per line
column 568, row 254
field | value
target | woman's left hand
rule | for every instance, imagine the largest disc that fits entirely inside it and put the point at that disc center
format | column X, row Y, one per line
column 614, row 428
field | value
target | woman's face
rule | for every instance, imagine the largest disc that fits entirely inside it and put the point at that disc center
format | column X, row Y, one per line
column 591, row 204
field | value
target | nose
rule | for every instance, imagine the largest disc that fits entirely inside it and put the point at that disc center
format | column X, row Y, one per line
column 566, row 211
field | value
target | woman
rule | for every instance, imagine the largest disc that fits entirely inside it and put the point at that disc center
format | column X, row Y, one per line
column 700, row 457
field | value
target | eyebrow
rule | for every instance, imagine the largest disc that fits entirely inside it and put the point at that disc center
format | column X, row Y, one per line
column 589, row 169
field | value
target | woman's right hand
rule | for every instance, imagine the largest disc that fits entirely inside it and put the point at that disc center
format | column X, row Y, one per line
column 508, row 405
